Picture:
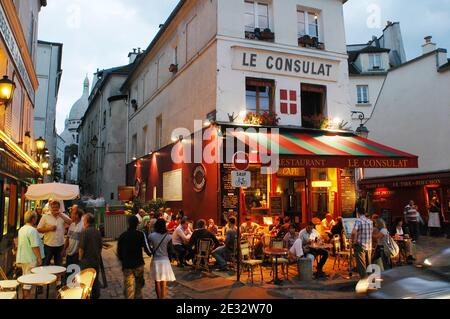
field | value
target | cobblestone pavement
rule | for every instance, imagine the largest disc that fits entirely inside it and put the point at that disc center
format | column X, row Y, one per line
column 335, row 287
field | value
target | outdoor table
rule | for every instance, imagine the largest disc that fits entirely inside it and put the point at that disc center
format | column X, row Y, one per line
column 276, row 252
column 8, row 295
column 38, row 280
column 51, row 270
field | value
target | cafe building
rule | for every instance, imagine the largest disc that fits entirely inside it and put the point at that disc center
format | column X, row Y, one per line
column 278, row 65
column 18, row 164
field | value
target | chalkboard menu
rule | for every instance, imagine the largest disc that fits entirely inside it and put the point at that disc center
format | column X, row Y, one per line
column 276, row 205
column 230, row 194
column 348, row 192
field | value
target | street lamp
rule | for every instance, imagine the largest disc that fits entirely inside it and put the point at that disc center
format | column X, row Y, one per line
column 40, row 144
column 48, row 172
column 94, row 142
column 7, row 88
column 362, row 130
column 45, row 165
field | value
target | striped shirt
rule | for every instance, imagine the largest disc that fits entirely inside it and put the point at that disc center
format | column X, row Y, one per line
column 364, row 231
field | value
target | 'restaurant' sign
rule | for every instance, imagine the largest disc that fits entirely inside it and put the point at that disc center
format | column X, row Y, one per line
column 285, row 64
column 346, row 162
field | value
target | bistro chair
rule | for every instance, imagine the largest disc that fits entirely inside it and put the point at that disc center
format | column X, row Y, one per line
column 340, row 252
column 201, row 259
column 5, row 284
column 74, row 293
column 284, row 262
column 86, row 279
column 250, row 263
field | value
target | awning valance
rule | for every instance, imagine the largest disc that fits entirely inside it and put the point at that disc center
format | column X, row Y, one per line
column 326, row 149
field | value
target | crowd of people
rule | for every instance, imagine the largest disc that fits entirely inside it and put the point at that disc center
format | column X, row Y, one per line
column 49, row 235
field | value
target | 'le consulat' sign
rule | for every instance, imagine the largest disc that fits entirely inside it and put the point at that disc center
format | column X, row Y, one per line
column 285, row 64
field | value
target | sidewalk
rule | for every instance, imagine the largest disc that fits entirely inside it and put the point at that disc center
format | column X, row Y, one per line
column 222, row 285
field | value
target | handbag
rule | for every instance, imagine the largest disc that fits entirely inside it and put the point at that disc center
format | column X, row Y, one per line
column 390, row 247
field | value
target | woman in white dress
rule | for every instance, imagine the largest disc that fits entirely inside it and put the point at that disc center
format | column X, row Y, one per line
column 434, row 221
column 160, row 268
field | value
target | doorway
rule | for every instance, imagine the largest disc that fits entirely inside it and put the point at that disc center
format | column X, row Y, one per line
column 294, row 198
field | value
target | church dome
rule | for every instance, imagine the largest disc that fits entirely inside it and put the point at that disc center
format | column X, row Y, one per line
column 79, row 108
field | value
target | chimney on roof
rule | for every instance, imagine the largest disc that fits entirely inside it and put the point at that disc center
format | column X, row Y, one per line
column 429, row 46
column 133, row 55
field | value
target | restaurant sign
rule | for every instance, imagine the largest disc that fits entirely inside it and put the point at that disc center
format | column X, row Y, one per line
column 348, row 162
column 13, row 168
column 248, row 59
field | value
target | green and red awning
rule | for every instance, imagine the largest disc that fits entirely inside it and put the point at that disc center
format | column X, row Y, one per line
column 325, row 149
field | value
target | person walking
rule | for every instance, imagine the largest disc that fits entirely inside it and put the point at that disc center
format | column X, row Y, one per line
column 160, row 268
column 30, row 250
column 129, row 252
column 380, row 257
column 362, row 242
column 412, row 219
column 90, row 251
column 53, row 227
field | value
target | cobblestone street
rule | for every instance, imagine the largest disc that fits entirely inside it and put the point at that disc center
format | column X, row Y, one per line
column 220, row 285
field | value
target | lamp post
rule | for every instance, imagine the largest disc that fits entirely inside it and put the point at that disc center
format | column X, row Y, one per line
column 362, row 130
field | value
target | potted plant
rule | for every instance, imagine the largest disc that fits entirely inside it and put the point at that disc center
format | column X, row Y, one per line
column 319, row 122
column 267, row 35
column 264, row 119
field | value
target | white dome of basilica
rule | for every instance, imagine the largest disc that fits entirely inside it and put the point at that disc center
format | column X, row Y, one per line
column 79, row 108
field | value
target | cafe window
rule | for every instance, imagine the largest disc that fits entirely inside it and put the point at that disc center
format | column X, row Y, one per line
column 375, row 61
column 256, row 16
column 307, row 23
column 259, row 95
column 363, row 94
column 6, row 207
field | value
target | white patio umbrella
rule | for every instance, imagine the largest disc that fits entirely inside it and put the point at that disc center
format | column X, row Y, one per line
column 56, row 191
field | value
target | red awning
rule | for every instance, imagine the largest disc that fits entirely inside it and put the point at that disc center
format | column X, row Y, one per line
column 326, row 149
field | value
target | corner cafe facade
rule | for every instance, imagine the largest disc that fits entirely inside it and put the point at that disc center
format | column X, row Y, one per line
column 316, row 173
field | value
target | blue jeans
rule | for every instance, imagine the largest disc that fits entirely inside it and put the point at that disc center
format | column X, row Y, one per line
column 220, row 254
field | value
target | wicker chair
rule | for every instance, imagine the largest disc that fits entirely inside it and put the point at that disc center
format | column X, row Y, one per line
column 5, row 284
column 85, row 279
column 201, row 259
column 340, row 252
column 250, row 263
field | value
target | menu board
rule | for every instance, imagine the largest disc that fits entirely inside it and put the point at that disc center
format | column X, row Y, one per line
column 230, row 194
column 348, row 192
column 172, row 186
column 276, row 205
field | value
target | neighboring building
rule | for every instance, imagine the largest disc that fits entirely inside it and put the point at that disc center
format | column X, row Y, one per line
column 102, row 134
column 412, row 113
column 70, row 135
column 18, row 166
column 368, row 67
column 220, row 60
column 58, row 166
column 49, row 56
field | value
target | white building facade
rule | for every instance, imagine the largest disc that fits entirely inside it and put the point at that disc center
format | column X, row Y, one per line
column 222, row 61
column 102, row 137
column 48, row 68
column 412, row 112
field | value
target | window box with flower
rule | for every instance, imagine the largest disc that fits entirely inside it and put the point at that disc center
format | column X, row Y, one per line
column 262, row 119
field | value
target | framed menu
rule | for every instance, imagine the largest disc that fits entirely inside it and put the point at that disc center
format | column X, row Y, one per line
column 172, row 186
column 276, row 205
column 348, row 192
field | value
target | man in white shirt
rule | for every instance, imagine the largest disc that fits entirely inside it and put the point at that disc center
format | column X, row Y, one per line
column 309, row 236
column 140, row 215
column 180, row 241
column 52, row 226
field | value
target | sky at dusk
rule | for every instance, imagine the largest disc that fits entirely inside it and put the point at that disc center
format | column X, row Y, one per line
column 101, row 33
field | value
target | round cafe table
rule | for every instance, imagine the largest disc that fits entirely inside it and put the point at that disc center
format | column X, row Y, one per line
column 58, row 271
column 38, row 280
column 276, row 253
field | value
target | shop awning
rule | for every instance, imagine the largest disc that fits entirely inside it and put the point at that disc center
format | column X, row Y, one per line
column 326, row 149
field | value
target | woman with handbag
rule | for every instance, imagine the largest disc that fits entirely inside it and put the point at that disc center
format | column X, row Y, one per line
column 380, row 257
column 160, row 268
column 434, row 219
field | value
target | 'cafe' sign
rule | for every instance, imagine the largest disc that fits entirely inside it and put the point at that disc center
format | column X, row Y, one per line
column 284, row 64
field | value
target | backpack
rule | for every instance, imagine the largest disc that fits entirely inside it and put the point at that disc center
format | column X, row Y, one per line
column 391, row 248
